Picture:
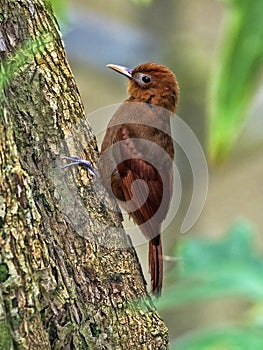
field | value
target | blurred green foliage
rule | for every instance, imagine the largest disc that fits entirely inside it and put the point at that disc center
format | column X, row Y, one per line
column 210, row 269
column 229, row 338
column 236, row 77
column 60, row 8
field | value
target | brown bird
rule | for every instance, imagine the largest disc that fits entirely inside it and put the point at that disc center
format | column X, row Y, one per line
column 137, row 154
column 138, row 146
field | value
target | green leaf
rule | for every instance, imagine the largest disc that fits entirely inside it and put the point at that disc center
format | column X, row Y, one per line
column 236, row 75
column 21, row 59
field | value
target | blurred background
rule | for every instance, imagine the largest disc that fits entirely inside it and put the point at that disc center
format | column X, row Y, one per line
column 213, row 289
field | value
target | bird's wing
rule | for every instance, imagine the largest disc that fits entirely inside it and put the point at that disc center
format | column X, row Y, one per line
column 145, row 199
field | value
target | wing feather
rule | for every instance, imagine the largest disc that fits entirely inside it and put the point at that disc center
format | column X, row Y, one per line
column 151, row 188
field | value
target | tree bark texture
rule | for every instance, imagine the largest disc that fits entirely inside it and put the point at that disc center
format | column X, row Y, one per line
column 69, row 276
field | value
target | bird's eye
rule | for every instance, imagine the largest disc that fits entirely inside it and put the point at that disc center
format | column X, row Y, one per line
column 146, row 79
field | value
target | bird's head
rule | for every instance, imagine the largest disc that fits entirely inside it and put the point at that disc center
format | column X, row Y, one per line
column 151, row 83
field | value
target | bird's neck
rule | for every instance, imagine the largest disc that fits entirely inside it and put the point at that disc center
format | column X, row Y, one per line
column 166, row 100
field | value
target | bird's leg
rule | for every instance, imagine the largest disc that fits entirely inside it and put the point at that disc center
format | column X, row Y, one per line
column 77, row 161
column 98, row 187
column 81, row 162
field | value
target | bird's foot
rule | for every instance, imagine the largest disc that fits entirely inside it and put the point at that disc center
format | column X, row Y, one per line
column 81, row 162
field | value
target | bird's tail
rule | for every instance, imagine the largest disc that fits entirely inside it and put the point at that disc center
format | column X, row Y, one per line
column 156, row 265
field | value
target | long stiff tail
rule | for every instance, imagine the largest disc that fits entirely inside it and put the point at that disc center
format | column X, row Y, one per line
column 156, row 265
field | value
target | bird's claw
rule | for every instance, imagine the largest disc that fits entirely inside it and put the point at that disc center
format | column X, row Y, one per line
column 80, row 162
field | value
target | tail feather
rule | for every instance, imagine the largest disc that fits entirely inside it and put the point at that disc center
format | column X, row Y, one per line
column 156, row 265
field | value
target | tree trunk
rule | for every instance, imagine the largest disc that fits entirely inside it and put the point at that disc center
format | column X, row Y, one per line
column 69, row 277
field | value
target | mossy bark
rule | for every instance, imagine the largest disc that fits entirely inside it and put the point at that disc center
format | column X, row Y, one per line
column 63, row 286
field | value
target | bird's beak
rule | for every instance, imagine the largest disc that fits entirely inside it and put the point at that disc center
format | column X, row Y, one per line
column 120, row 69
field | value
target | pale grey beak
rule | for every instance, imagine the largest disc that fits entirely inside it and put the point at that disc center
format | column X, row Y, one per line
column 120, row 69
